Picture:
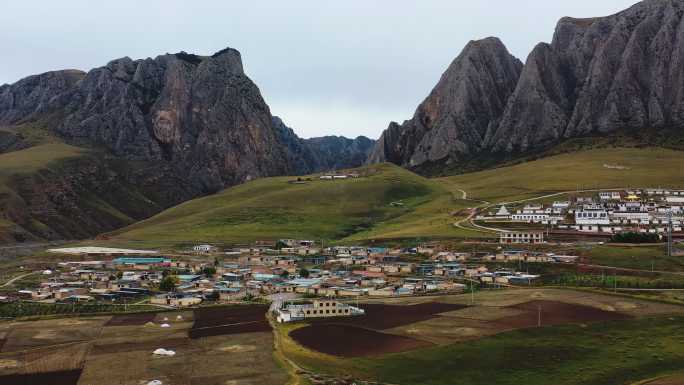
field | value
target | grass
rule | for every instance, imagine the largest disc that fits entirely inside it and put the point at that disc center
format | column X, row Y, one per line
column 18, row 164
column 643, row 167
column 602, row 353
column 640, row 257
column 272, row 208
column 34, row 159
column 360, row 210
column 614, row 352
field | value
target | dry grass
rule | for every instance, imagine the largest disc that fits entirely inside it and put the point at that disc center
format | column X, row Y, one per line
column 116, row 355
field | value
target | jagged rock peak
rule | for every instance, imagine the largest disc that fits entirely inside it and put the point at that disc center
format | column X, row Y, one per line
column 453, row 121
column 602, row 76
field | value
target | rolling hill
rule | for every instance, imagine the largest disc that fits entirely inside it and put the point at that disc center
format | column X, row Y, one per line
column 273, row 208
column 590, row 169
column 362, row 209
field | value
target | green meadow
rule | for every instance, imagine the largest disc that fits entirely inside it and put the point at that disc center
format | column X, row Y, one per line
column 390, row 203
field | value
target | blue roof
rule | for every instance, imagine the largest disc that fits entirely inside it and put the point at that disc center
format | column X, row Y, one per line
column 187, row 277
column 304, row 281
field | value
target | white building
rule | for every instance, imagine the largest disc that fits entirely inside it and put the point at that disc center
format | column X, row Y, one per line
column 503, row 212
column 317, row 309
column 592, row 215
column 610, row 195
column 533, row 237
column 561, row 205
column 203, row 248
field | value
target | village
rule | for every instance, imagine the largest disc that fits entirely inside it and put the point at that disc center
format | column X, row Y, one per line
column 287, row 269
column 657, row 212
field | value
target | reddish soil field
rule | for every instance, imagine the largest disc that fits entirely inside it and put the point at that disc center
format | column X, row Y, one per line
column 125, row 347
column 130, row 319
column 216, row 321
column 350, row 341
column 69, row 377
column 381, row 317
column 555, row 313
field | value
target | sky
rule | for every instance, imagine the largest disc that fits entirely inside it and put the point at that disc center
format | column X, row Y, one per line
column 325, row 67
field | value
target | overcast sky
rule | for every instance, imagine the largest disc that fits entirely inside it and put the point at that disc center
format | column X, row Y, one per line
column 326, row 67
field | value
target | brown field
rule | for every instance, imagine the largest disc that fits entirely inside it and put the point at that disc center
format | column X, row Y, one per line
column 217, row 321
column 131, row 319
column 555, row 313
column 103, row 353
column 380, row 316
column 498, row 311
column 350, row 341
column 67, row 377
column 35, row 334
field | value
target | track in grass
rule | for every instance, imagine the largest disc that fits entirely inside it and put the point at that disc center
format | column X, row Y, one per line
column 350, row 341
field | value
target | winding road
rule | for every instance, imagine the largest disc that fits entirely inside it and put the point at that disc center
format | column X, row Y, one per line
column 486, row 205
column 18, row 277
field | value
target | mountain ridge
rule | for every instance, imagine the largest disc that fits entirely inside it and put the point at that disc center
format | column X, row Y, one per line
column 167, row 129
column 621, row 74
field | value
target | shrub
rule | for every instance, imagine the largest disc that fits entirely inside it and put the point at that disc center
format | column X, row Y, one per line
column 632, row 237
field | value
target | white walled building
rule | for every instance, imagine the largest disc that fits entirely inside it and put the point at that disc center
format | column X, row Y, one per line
column 317, row 309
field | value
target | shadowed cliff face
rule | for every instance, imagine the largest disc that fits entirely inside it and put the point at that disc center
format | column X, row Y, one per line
column 600, row 76
column 325, row 153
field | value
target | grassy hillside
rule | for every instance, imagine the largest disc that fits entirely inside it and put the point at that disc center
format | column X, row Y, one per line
column 271, row 208
column 360, row 210
column 19, row 164
column 600, row 168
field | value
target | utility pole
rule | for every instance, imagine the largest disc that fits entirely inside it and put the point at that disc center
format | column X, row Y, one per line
column 669, row 233
column 472, row 293
column 539, row 315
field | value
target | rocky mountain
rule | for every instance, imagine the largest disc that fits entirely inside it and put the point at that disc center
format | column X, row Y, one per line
column 616, row 75
column 323, row 153
column 168, row 129
column 465, row 106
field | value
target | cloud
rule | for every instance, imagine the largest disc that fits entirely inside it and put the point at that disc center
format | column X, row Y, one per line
column 324, row 66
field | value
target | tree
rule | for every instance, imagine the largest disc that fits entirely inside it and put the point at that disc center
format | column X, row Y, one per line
column 168, row 283
column 285, row 274
column 304, row 273
column 209, row 271
column 280, row 245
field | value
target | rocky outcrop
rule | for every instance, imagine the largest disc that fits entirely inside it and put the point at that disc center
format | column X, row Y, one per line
column 337, row 152
column 32, row 97
column 460, row 112
column 325, row 153
column 598, row 77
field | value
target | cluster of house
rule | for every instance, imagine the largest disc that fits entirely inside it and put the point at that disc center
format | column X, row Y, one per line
column 264, row 270
column 608, row 212
column 123, row 279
